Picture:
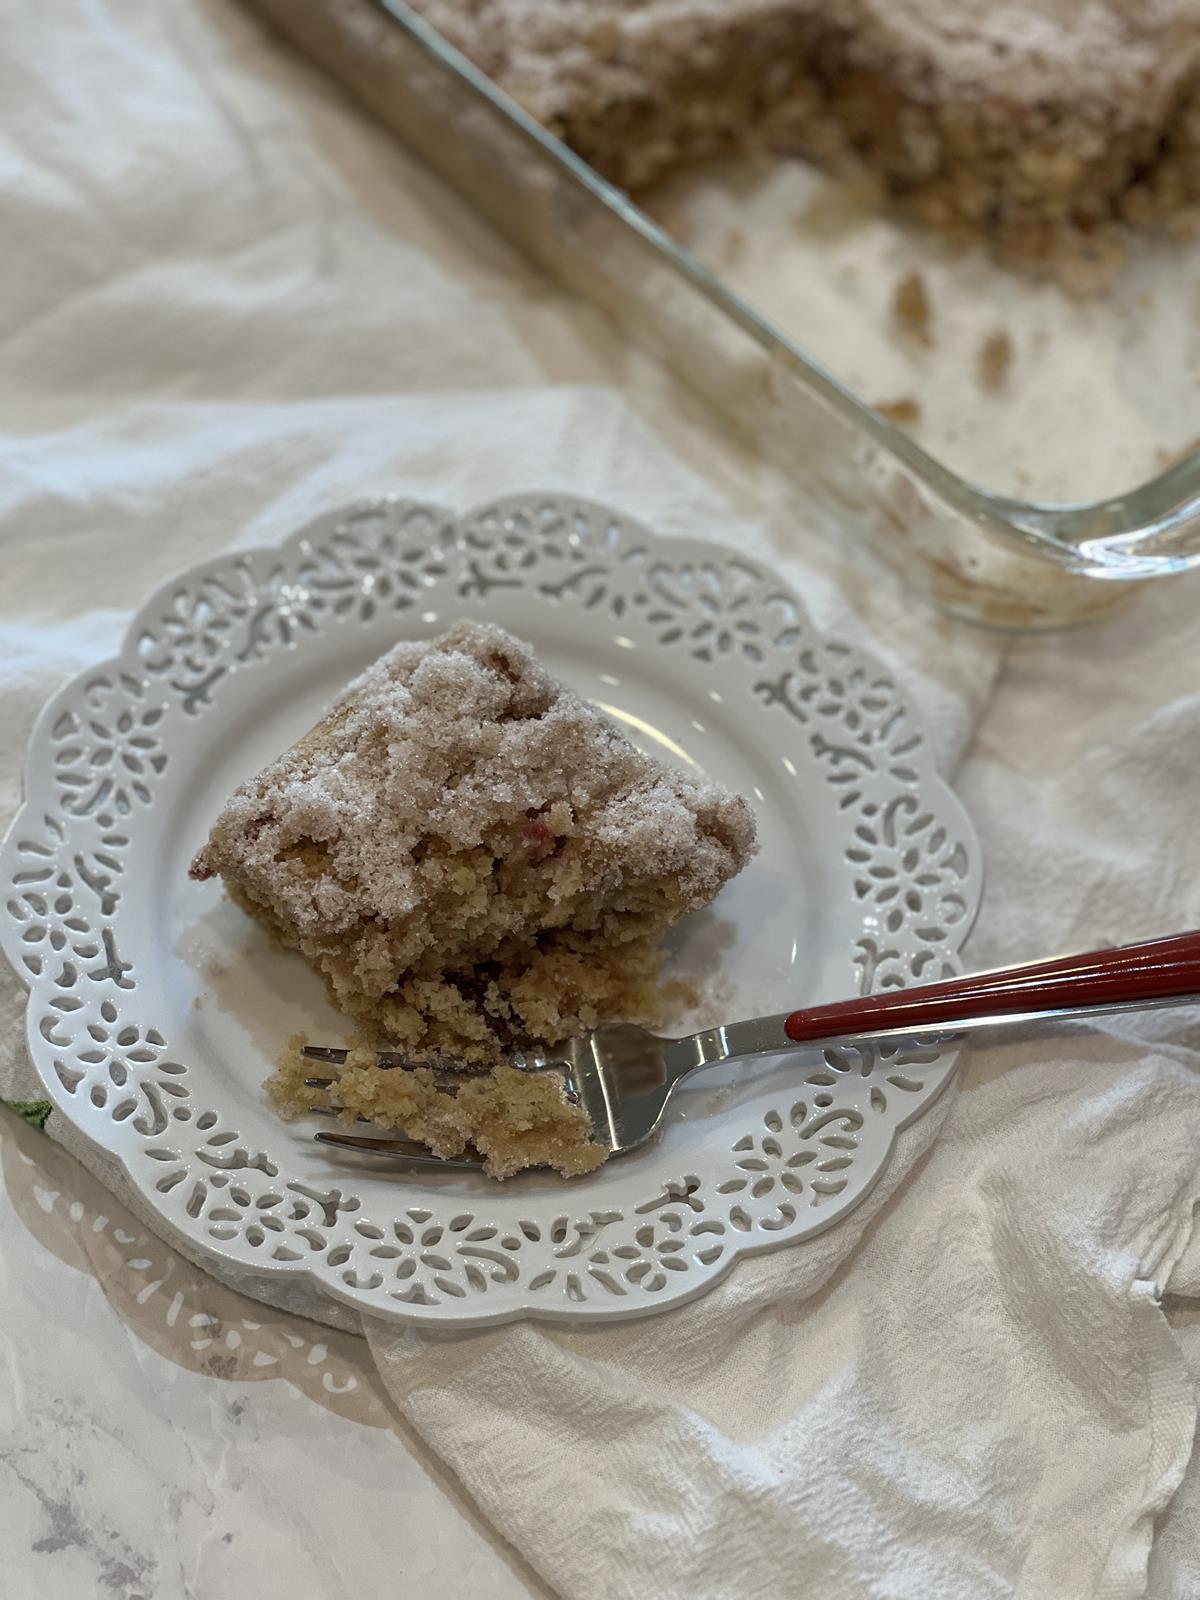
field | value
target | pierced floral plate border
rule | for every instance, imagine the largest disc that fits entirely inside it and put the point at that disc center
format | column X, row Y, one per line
column 633, row 1239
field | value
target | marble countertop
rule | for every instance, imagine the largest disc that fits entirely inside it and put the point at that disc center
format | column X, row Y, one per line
column 161, row 1436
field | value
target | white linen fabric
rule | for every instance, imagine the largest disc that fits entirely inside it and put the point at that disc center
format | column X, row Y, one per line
column 227, row 303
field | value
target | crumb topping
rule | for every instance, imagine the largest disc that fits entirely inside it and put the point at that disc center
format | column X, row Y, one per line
column 1025, row 49
column 448, row 744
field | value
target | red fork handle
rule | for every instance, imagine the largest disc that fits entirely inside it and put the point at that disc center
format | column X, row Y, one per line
column 1157, row 971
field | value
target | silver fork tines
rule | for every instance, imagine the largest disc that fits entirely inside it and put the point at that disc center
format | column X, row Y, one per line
column 398, row 1149
column 445, row 1077
column 617, row 1075
column 395, row 1147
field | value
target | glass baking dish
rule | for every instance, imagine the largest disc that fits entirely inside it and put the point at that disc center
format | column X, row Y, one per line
column 993, row 557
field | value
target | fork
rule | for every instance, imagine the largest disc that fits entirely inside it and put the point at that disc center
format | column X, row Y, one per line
column 624, row 1077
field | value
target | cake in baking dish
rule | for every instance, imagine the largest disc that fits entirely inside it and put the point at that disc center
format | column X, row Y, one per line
column 1031, row 121
column 472, row 857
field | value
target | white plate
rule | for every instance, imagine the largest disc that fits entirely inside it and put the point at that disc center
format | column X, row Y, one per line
column 156, row 1008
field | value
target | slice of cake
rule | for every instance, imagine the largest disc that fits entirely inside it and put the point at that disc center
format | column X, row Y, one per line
column 473, row 857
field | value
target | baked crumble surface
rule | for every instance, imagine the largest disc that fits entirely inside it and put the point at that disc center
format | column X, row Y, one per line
column 439, row 752
column 1019, row 120
column 472, row 856
column 1027, row 49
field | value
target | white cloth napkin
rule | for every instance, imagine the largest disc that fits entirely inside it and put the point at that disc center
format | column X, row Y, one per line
column 985, row 1399
column 226, row 304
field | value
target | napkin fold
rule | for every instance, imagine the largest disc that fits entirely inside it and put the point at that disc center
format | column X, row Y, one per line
column 226, row 303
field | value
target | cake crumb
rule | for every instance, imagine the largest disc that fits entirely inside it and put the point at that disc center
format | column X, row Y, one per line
column 840, row 206
column 911, row 308
column 671, row 216
column 733, row 246
column 904, row 412
column 1164, row 458
column 995, row 359
column 513, row 1119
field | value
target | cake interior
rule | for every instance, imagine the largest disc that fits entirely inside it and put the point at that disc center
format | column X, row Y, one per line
column 512, row 1119
column 507, row 968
